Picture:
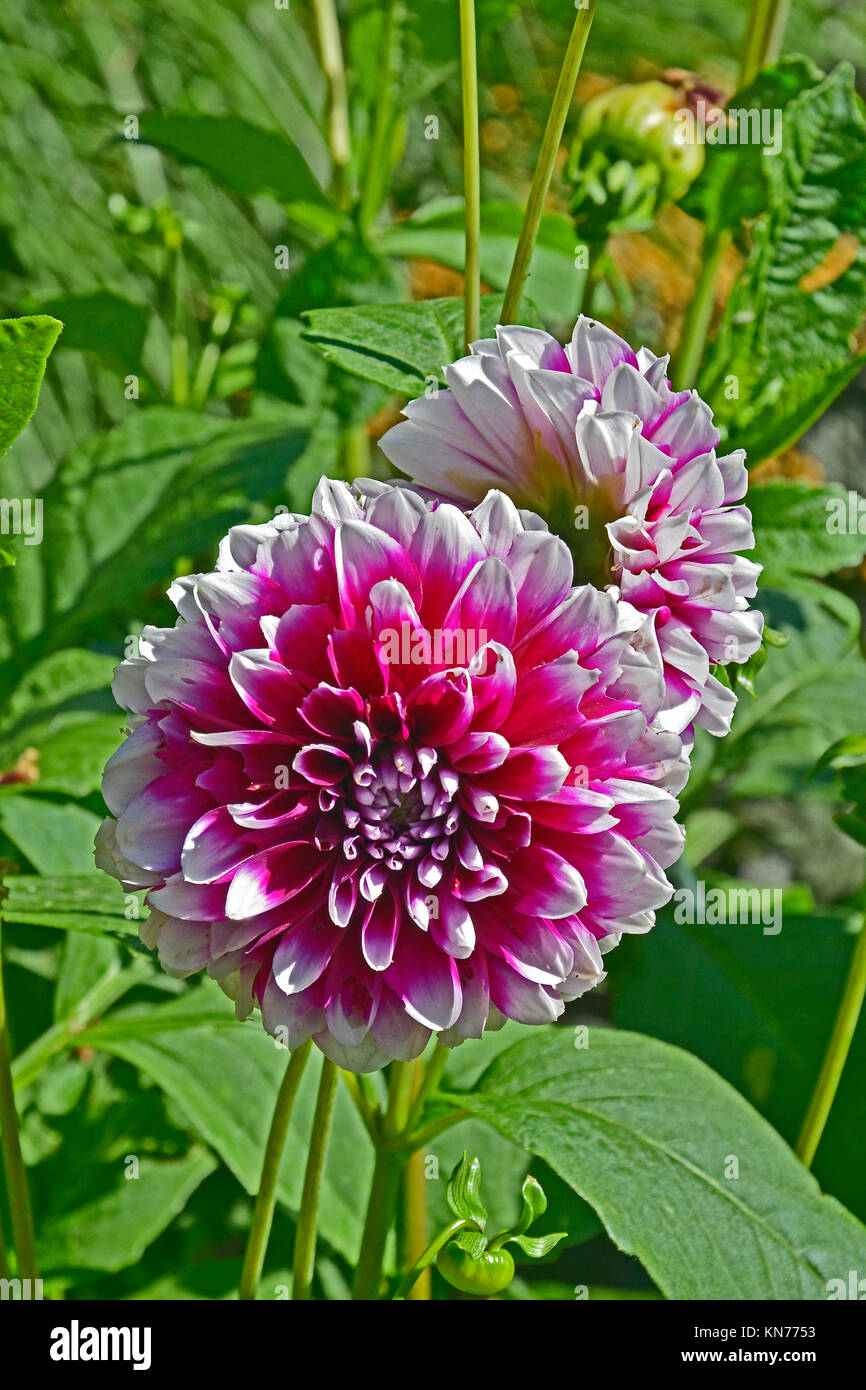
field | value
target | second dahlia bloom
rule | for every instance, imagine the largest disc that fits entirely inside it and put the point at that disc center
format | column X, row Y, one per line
column 593, row 437
column 391, row 774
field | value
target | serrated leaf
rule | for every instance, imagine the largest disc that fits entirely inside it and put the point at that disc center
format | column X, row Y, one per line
column 641, row 1130
column 803, row 529
column 787, row 333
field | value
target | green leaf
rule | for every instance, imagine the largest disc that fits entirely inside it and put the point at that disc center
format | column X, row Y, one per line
column 241, row 156
column 106, row 324
column 770, row 1047
column 224, row 1079
column 55, row 839
column 644, row 1132
column 112, row 1231
column 802, row 529
column 90, row 903
column 401, row 346
column 534, row 1202
column 537, row 1246
column 788, row 326
column 24, row 347
column 464, row 1192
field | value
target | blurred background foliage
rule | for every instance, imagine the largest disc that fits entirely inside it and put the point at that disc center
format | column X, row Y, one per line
column 168, row 190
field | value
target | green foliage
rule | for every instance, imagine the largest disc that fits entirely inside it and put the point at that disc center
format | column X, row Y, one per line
column 401, row 346
column 642, row 1131
column 785, row 336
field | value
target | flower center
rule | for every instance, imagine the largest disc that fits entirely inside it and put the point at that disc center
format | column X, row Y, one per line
column 400, row 805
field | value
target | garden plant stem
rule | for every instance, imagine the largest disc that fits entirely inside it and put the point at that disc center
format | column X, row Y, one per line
column 562, row 98
column 471, row 173
column 17, row 1190
column 837, row 1053
column 305, row 1236
column 263, row 1214
column 331, row 51
column 385, row 1188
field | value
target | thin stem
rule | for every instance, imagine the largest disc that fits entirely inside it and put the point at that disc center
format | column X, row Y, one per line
column 562, row 98
column 263, row 1214
column 13, row 1164
column 361, row 1103
column 763, row 40
column 378, row 163
column 436, row 1127
column 837, row 1053
column 471, row 172
column 385, row 1188
column 699, row 315
column 431, row 1078
column 425, row 1260
column 333, row 66
column 305, row 1236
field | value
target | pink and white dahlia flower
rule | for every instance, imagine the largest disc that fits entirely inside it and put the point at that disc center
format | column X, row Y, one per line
column 593, row 437
column 390, row 774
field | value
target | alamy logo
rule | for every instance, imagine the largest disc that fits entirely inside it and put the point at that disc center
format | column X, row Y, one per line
column 22, row 516
column 416, row 646
column 713, row 125
column 76, row 1343
column 719, row 907
column 21, row 1290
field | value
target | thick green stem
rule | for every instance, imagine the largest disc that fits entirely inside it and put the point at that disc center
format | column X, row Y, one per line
column 331, row 51
column 385, row 1189
column 430, row 1080
column 13, row 1164
column 471, row 172
column 308, row 1216
column 837, row 1053
column 263, row 1214
column 562, row 98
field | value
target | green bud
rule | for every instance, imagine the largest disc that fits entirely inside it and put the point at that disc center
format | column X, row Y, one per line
column 630, row 158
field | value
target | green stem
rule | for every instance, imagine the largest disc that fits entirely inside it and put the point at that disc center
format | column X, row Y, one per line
column 13, row 1164
column 263, row 1214
column 368, row 1114
column 699, row 315
column 837, row 1053
column 305, row 1236
column 763, row 41
column 431, row 1079
column 356, row 453
column 334, row 69
column 436, row 1127
column 378, row 168
column 562, row 98
column 385, row 1188
column 425, row 1260
column 471, row 172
